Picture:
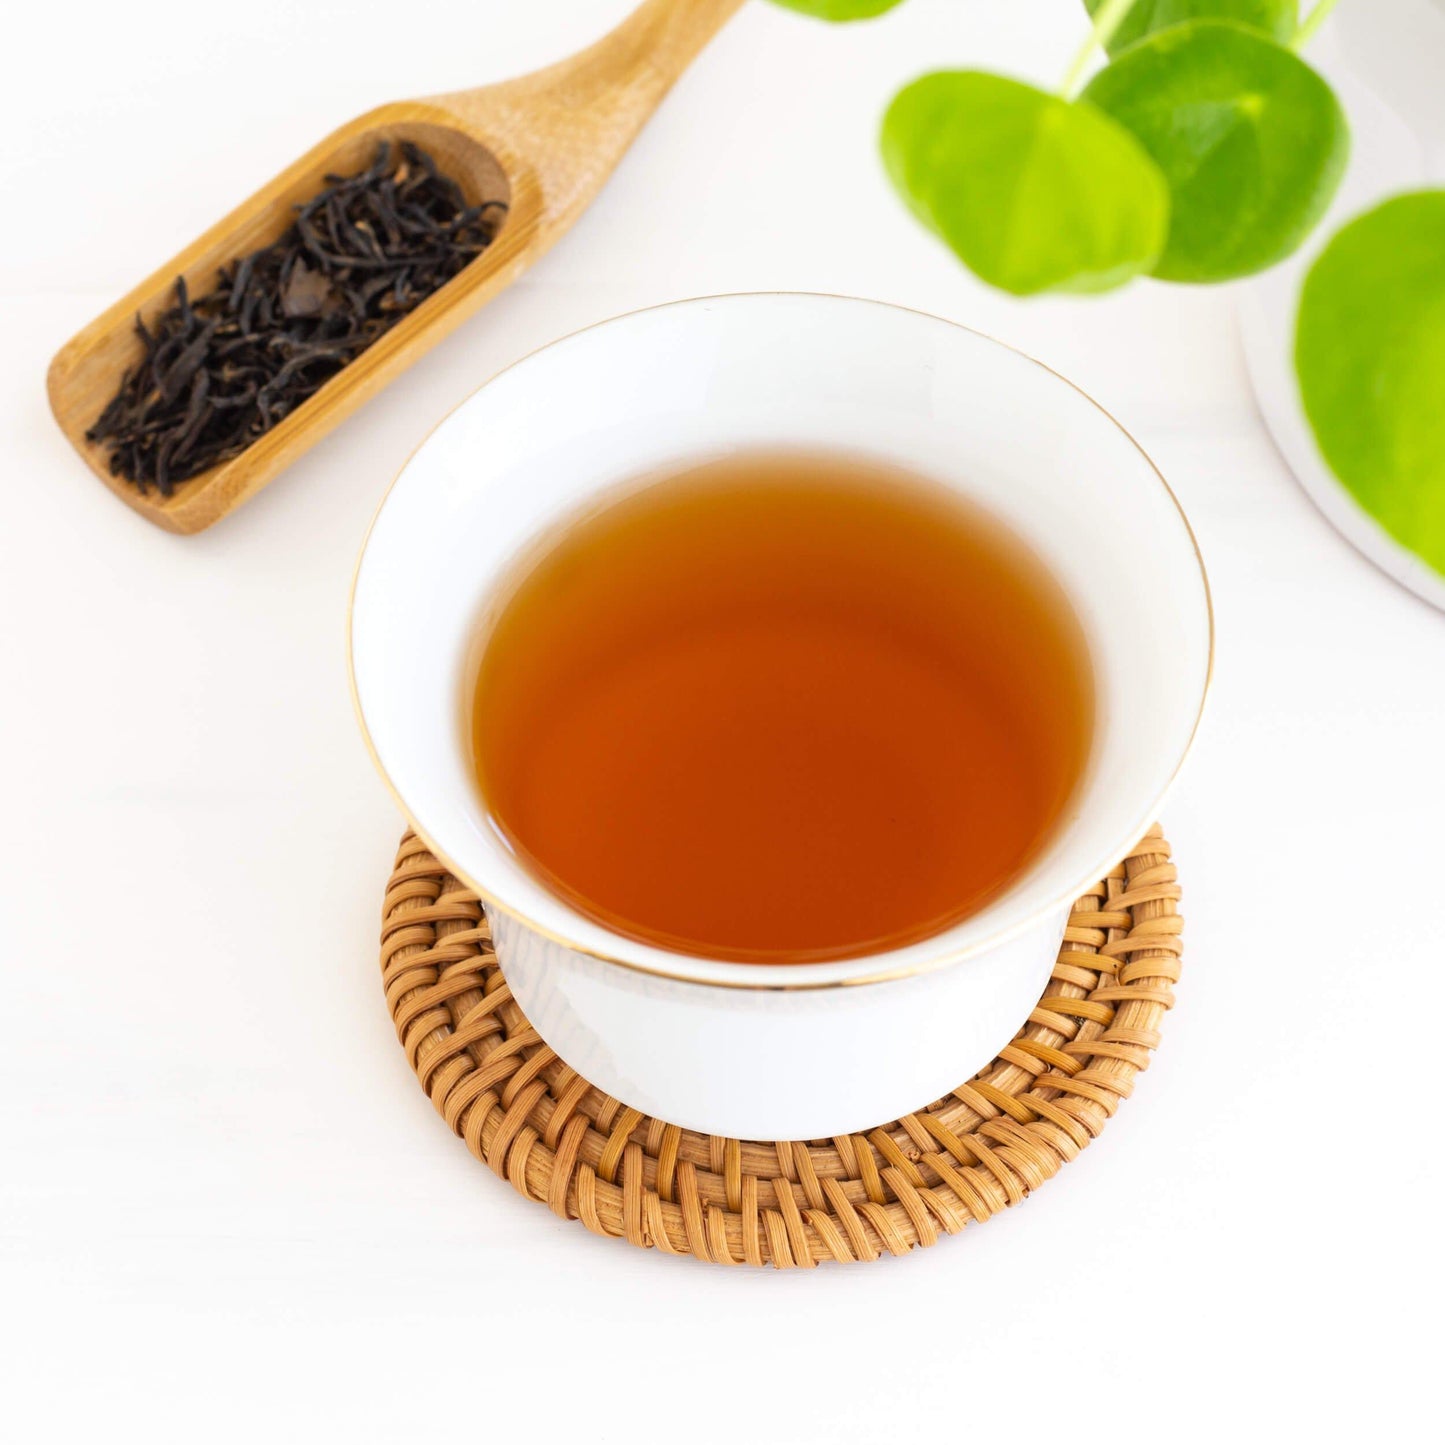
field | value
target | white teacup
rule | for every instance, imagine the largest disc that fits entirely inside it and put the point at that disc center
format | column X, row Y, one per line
column 779, row 1051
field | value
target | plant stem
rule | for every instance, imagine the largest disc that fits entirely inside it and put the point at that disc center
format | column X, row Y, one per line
column 1311, row 23
column 1109, row 18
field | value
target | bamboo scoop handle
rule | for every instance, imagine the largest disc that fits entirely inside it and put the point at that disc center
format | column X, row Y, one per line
column 583, row 112
column 545, row 143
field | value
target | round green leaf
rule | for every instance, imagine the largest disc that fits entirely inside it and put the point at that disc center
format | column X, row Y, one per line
column 1032, row 192
column 1276, row 18
column 1250, row 139
column 839, row 9
column 1370, row 355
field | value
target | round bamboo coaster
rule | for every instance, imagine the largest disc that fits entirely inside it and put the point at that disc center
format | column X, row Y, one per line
column 557, row 1140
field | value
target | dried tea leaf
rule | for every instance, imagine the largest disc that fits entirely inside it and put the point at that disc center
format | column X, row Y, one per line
column 306, row 291
column 219, row 371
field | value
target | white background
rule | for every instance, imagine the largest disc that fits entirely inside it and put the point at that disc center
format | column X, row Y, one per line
column 226, row 1209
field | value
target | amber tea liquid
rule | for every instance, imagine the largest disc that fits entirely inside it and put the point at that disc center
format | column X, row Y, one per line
column 780, row 708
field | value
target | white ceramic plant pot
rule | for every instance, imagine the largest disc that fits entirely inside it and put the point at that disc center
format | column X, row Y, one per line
column 1384, row 61
column 793, row 1050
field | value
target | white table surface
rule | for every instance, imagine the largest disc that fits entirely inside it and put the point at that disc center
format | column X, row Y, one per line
column 227, row 1211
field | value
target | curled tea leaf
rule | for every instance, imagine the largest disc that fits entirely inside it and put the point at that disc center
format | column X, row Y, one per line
column 1033, row 192
column 305, row 292
column 1370, row 356
column 1251, row 141
column 1276, row 18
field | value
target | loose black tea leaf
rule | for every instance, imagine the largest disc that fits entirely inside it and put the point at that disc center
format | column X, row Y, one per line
column 220, row 371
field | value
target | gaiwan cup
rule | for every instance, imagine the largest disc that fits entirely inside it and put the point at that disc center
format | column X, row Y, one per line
column 779, row 1051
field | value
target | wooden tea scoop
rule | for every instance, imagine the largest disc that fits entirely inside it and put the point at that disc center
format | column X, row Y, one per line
column 543, row 143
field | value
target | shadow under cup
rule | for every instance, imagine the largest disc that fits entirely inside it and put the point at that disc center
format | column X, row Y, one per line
column 779, row 1050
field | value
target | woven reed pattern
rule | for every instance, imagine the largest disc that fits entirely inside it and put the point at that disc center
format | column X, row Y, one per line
column 538, row 1124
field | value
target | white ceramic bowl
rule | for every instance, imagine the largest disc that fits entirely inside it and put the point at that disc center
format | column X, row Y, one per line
column 785, row 1051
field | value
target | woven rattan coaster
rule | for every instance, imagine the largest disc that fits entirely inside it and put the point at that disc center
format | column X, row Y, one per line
column 540, row 1125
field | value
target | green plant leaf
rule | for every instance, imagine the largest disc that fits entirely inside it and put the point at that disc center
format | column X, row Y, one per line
column 1276, row 18
column 839, row 9
column 1370, row 356
column 1033, row 193
column 1250, row 139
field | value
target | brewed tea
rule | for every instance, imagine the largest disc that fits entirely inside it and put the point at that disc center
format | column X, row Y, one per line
column 780, row 708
